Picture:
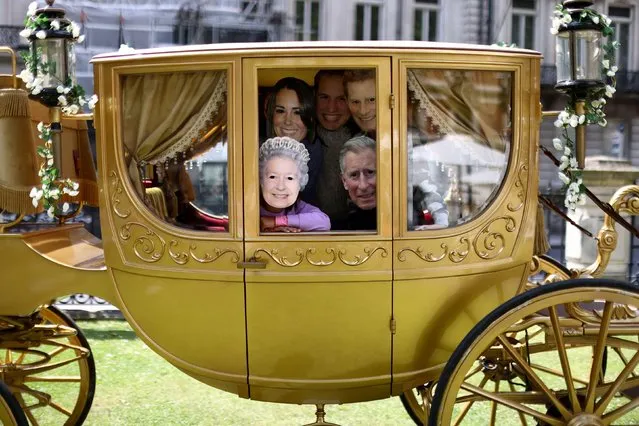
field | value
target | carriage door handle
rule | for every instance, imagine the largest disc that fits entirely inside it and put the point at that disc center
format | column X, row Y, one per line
column 252, row 263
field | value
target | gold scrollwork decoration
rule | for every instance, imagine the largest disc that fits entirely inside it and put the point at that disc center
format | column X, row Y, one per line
column 461, row 251
column 456, row 255
column 283, row 260
column 308, row 253
column 488, row 244
column 358, row 259
column 115, row 197
column 330, row 251
column 419, row 252
column 217, row 253
column 149, row 246
column 519, row 187
column 620, row 312
column 180, row 258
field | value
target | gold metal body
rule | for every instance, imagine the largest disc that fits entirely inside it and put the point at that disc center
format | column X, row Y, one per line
column 306, row 318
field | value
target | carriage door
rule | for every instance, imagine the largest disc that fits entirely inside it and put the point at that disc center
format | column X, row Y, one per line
column 318, row 302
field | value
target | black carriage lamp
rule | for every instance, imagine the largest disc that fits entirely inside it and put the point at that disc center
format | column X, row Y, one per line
column 51, row 62
column 579, row 50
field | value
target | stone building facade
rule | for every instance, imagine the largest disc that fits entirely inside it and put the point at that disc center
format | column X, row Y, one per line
column 154, row 23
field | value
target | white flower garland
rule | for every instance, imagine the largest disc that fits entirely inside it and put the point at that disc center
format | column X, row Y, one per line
column 595, row 101
column 71, row 97
column 52, row 187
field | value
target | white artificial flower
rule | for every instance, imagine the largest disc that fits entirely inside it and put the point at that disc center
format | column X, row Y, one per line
column 50, row 162
column 582, row 199
column 582, row 119
column 574, row 120
column 26, row 33
column 125, row 48
column 40, row 127
column 567, row 151
column 558, row 123
column 65, row 207
column 75, row 185
column 564, row 116
column 50, row 212
column 36, row 90
column 55, row 24
column 558, row 144
column 607, row 20
column 73, row 193
column 565, row 162
column 26, row 76
column 59, row 89
column 565, row 179
column 92, row 101
column 605, row 63
column 610, row 91
column 41, row 34
column 612, row 71
column 62, row 100
column 75, row 30
column 595, row 103
column 573, row 163
column 595, row 19
column 31, row 10
column 80, row 38
column 82, row 101
column 73, row 109
column 603, row 122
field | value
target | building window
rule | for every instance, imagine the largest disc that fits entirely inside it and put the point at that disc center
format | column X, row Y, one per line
column 621, row 19
column 425, row 20
column 367, row 21
column 523, row 23
column 307, row 19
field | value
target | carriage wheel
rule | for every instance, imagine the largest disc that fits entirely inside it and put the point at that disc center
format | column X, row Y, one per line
column 11, row 413
column 53, row 380
column 417, row 402
column 564, row 353
column 544, row 270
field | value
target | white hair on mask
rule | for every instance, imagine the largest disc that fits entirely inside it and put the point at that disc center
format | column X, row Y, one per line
column 285, row 147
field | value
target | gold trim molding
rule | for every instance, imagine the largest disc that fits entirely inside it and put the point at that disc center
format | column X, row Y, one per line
column 309, row 254
column 149, row 246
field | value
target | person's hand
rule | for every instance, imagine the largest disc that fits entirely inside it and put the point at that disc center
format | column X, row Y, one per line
column 426, row 227
column 291, row 229
column 267, row 223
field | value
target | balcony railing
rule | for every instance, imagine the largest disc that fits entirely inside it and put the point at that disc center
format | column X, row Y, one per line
column 627, row 81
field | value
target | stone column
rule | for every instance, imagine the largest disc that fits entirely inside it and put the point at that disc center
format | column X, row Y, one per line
column 602, row 175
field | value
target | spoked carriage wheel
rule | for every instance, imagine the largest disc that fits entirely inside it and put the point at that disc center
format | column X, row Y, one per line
column 564, row 353
column 417, row 402
column 54, row 381
column 545, row 270
column 11, row 413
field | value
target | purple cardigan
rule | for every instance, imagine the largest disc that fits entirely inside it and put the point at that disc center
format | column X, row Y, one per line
column 303, row 216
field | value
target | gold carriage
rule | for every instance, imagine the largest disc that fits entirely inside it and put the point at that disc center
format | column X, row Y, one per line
column 456, row 320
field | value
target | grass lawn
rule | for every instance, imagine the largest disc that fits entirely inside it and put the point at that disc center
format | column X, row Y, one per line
column 135, row 386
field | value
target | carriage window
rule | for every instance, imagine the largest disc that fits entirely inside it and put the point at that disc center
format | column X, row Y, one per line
column 458, row 144
column 175, row 142
column 318, row 156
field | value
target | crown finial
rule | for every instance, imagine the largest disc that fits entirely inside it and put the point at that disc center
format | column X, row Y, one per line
column 50, row 2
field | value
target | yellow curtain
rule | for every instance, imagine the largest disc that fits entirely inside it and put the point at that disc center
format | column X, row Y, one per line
column 474, row 103
column 165, row 115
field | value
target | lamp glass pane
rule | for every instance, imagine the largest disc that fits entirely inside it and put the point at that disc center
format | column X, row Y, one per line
column 563, row 57
column 588, row 55
column 53, row 61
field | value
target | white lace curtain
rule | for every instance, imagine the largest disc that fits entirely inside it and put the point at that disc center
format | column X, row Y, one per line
column 165, row 115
